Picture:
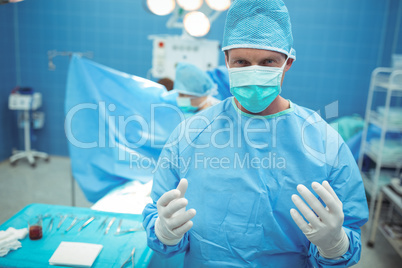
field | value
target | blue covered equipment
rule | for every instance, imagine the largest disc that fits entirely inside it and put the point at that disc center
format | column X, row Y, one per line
column 116, row 125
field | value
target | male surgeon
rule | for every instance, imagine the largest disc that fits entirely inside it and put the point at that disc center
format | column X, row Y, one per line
column 256, row 180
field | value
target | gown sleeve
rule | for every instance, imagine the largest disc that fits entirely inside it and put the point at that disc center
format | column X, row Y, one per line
column 347, row 183
column 166, row 178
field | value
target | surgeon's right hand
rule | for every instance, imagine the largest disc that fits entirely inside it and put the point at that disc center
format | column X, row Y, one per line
column 173, row 221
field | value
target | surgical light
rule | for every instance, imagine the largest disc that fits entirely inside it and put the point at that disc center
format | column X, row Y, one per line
column 9, row 1
column 190, row 5
column 219, row 5
column 161, row 7
column 196, row 23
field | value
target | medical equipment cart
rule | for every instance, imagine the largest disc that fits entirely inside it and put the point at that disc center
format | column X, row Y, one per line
column 386, row 81
column 396, row 205
column 26, row 103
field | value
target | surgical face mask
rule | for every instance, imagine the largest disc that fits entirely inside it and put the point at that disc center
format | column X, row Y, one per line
column 185, row 106
column 256, row 87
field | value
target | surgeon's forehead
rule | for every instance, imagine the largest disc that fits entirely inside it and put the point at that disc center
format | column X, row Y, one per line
column 186, row 95
column 254, row 54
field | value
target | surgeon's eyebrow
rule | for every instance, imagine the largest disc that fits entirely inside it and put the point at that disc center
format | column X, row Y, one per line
column 277, row 58
column 237, row 58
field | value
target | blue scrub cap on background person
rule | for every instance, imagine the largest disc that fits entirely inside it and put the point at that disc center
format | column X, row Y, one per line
column 191, row 80
column 260, row 24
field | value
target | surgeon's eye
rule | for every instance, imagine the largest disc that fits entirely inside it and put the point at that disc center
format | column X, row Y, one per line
column 240, row 63
column 268, row 62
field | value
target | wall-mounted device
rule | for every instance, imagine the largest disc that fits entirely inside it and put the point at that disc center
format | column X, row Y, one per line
column 168, row 50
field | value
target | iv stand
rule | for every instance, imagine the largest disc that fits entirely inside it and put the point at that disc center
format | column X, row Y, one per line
column 27, row 153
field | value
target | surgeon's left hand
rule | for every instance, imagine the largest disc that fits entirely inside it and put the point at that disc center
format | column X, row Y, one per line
column 324, row 231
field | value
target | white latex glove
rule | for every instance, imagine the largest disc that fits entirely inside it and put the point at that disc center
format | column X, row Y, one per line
column 324, row 231
column 173, row 221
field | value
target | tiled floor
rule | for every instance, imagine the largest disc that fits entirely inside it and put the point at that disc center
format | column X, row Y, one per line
column 50, row 183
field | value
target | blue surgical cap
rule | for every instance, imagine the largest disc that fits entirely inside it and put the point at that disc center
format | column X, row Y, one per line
column 260, row 24
column 191, row 80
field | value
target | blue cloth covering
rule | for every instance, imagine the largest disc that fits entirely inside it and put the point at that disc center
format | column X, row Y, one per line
column 373, row 131
column 114, row 135
column 242, row 171
column 220, row 76
column 116, row 249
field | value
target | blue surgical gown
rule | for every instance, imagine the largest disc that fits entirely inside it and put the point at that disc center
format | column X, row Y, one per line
column 242, row 171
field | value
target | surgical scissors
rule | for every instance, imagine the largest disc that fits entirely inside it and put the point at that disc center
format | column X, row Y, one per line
column 62, row 219
column 118, row 227
column 73, row 223
column 50, row 225
column 110, row 225
column 86, row 223
column 103, row 223
column 130, row 258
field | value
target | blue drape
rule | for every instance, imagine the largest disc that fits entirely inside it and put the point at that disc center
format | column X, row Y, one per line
column 220, row 76
column 116, row 125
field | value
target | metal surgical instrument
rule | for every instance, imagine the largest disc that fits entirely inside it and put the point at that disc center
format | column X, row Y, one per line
column 119, row 226
column 50, row 225
column 86, row 223
column 73, row 223
column 62, row 219
column 130, row 258
column 103, row 223
column 110, row 225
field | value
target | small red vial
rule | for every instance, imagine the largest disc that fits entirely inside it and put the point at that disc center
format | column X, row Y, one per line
column 35, row 232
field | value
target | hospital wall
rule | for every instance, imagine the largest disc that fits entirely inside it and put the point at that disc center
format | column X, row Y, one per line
column 8, row 128
column 338, row 44
column 393, row 32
